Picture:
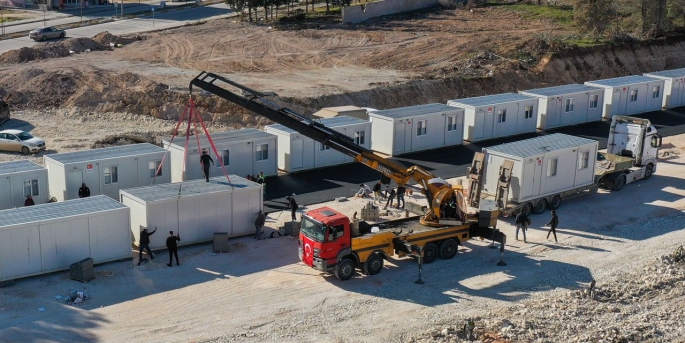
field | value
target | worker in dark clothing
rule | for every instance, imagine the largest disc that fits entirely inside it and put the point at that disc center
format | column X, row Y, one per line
column 84, row 191
column 173, row 247
column 553, row 226
column 400, row 196
column 205, row 160
column 521, row 222
column 391, row 197
column 259, row 224
column 292, row 205
column 145, row 244
column 377, row 192
column 29, row 201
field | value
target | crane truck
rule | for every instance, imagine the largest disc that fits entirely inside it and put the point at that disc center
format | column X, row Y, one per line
column 329, row 241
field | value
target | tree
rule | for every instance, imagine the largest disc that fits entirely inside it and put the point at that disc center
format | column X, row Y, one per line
column 594, row 16
column 236, row 5
column 676, row 9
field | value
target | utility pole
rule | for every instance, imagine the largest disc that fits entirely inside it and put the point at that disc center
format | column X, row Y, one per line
column 81, row 10
column 45, row 8
column 122, row 8
column 2, row 20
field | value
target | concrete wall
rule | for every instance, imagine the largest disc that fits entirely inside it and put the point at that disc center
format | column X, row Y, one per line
column 359, row 13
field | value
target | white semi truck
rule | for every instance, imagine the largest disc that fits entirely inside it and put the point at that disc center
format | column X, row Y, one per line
column 536, row 174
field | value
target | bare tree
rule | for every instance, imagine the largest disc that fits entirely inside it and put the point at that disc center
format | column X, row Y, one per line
column 594, row 16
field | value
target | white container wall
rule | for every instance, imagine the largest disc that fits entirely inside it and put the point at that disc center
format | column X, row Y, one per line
column 296, row 152
column 105, row 171
column 20, row 178
column 243, row 152
column 567, row 105
column 197, row 212
column 674, row 86
column 50, row 237
column 543, row 165
column 630, row 94
column 495, row 116
column 404, row 130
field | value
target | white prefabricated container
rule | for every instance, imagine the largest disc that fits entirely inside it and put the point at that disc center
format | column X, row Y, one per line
column 543, row 165
column 415, row 128
column 630, row 94
column 674, row 86
column 500, row 115
column 194, row 209
column 50, row 237
column 350, row 111
column 243, row 152
column 297, row 152
column 106, row 170
column 20, row 178
column 567, row 105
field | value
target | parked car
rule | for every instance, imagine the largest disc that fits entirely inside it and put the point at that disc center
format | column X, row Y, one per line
column 17, row 140
column 45, row 33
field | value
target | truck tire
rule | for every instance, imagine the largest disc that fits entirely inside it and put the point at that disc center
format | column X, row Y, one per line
column 649, row 170
column 430, row 253
column 344, row 270
column 374, row 264
column 555, row 202
column 540, row 206
column 619, row 183
column 527, row 208
column 448, row 249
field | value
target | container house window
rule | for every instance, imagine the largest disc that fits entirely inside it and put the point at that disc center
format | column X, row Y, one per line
column 529, row 112
column 633, row 95
column 153, row 166
column 421, row 128
column 262, row 152
column 31, row 188
column 451, row 123
column 323, row 147
column 502, row 116
column 359, row 137
column 111, row 175
column 593, row 100
column 568, row 107
column 583, row 160
column 656, row 90
column 552, row 167
column 225, row 159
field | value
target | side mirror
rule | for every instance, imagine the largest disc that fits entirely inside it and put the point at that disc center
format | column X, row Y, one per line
column 656, row 141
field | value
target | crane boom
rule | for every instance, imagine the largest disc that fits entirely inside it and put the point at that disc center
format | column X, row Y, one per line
column 437, row 191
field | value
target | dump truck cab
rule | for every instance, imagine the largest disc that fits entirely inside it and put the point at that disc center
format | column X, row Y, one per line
column 324, row 236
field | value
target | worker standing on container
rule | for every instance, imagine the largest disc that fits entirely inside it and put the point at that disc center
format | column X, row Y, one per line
column 292, row 204
column 259, row 224
column 521, row 224
column 84, row 191
column 205, row 160
column 172, row 245
column 145, row 244
column 553, row 225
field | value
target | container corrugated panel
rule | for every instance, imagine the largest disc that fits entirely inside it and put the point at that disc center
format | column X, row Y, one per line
column 189, row 188
column 669, row 73
column 106, row 153
column 490, row 100
column 332, row 122
column 19, row 166
column 58, row 210
column 561, row 90
column 623, row 81
column 409, row 111
column 220, row 138
column 540, row 145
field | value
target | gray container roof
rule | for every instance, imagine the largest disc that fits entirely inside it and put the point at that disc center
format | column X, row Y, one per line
column 58, row 210
column 129, row 150
column 561, row 90
column 540, row 145
column 669, row 73
column 189, row 188
column 490, row 100
column 19, row 166
column 409, row 111
column 222, row 138
column 623, row 81
column 333, row 122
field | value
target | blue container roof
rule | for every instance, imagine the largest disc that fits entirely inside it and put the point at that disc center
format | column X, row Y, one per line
column 561, row 90
column 58, row 210
column 129, row 150
column 18, row 166
column 190, row 188
column 623, row 81
column 222, row 138
column 669, row 73
column 540, row 145
column 402, row 112
column 490, row 100
column 332, row 122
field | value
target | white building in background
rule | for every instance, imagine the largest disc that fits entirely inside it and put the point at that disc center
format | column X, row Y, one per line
column 674, row 86
column 567, row 105
column 630, row 94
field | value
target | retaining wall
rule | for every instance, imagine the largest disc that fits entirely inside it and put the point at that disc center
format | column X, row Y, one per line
column 359, row 13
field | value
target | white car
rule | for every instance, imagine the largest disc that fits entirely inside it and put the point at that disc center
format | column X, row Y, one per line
column 17, row 140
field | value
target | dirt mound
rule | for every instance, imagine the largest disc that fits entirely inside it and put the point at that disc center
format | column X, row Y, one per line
column 62, row 48
column 105, row 38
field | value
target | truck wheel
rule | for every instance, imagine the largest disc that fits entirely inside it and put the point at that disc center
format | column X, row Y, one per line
column 527, row 208
column 374, row 264
column 619, row 183
column 540, row 206
column 649, row 170
column 448, row 249
column 430, row 253
column 345, row 269
column 554, row 203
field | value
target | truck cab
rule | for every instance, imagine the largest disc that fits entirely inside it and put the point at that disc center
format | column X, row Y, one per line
column 324, row 236
column 635, row 138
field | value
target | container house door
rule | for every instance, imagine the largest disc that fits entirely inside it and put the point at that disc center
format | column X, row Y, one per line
column 619, row 101
column 308, row 149
column 530, row 180
column 296, row 154
column 399, row 137
column 74, row 181
column 677, row 93
column 553, row 113
column 479, row 124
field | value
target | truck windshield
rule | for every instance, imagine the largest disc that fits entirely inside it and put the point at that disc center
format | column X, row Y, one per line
column 313, row 229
